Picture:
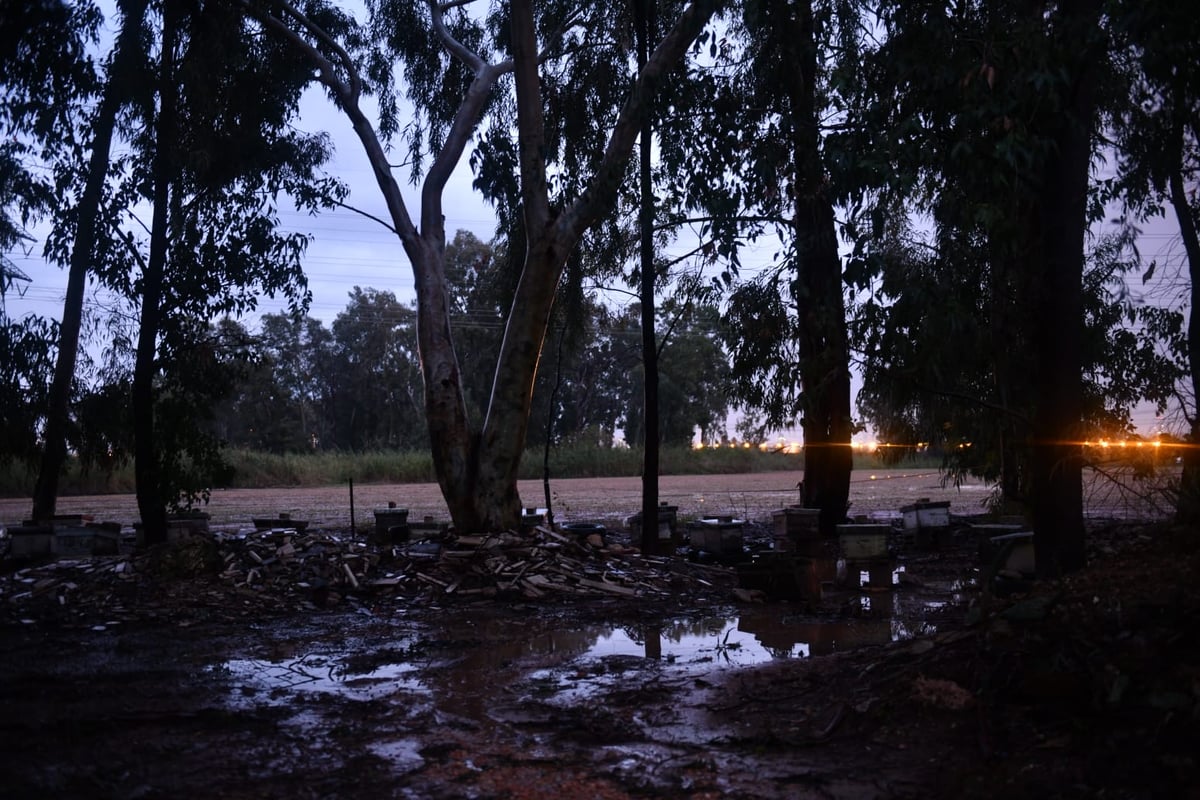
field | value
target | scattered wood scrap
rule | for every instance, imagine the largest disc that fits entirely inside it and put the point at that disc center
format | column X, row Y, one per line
column 294, row 569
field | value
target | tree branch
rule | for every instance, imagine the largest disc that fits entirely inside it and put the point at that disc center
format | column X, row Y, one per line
column 366, row 214
column 328, row 71
column 347, row 95
column 678, row 223
column 598, row 196
column 466, row 121
column 460, row 51
column 530, row 120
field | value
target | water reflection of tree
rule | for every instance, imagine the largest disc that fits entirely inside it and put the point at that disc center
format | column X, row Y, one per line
column 650, row 637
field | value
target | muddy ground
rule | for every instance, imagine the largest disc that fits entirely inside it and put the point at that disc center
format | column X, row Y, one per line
column 160, row 679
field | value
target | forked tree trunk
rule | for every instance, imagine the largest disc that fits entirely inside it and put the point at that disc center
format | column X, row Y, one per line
column 479, row 476
column 477, row 467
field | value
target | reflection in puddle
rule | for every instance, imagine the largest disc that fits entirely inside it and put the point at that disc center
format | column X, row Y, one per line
column 474, row 657
column 321, row 674
column 719, row 641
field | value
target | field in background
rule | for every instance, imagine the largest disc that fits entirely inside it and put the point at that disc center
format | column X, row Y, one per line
column 609, row 501
column 252, row 470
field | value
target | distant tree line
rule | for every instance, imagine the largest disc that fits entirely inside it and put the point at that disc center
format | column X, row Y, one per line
column 297, row 385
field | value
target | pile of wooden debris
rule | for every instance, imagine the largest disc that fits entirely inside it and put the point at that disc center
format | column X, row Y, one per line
column 289, row 569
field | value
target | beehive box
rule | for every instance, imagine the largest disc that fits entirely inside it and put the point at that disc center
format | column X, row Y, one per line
column 30, row 541
column 668, row 523
column 863, row 541
column 717, row 536
column 391, row 525
column 73, row 541
column 1020, row 556
column 795, row 524
column 926, row 514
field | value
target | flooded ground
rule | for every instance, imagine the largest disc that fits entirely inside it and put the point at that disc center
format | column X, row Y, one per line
column 168, row 679
column 492, row 703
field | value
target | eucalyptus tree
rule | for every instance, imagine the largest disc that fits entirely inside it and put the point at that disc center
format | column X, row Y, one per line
column 594, row 366
column 457, row 67
column 694, row 386
column 212, row 149
column 79, row 225
column 932, row 373
column 49, row 81
column 284, row 399
column 750, row 138
column 993, row 141
column 304, row 373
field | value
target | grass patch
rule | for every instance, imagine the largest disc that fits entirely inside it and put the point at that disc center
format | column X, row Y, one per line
column 256, row 470
column 18, row 478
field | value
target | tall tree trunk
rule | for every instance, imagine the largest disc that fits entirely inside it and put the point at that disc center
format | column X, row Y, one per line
column 824, row 354
column 1056, row 465
column 1188, row 509
column 151, row 502
column 1005, row 317
column 645, row 21
column 45, row 495
column 550, row 237
column 477, row 469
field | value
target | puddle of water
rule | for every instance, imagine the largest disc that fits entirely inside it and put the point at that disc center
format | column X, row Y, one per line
column 318, row 674
column 718, row 641
column 475, row 658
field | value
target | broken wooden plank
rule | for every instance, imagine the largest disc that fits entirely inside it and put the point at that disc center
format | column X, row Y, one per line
column 611, row 588
column 531, row 591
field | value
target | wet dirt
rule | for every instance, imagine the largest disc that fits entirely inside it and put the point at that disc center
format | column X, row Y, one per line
column 924, row 686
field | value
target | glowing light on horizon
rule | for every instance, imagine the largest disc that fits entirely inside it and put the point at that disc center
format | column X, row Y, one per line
column 796, row 447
